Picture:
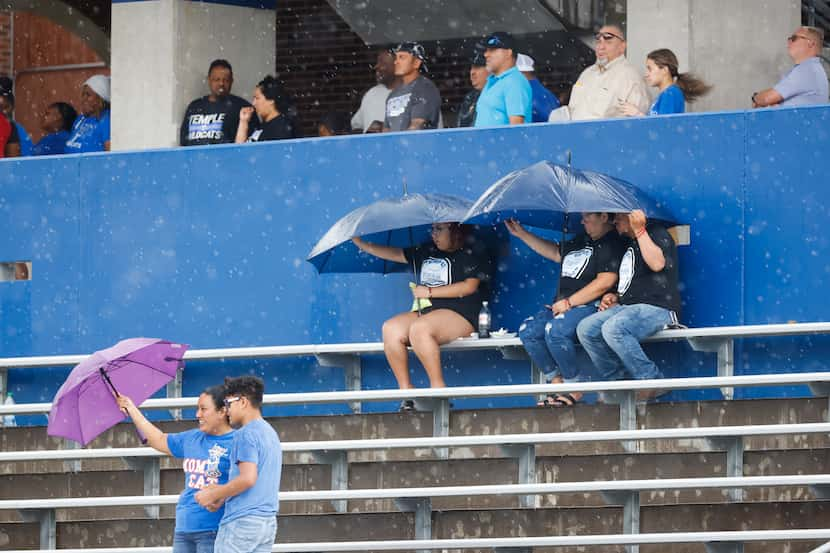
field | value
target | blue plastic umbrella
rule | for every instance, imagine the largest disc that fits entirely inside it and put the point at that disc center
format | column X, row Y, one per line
column 400, row 222
column 543, row 194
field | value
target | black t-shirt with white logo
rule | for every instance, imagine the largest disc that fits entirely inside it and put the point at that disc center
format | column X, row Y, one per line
column 278, row 128
column 439, row 268
column 207, row 122
column 583, row 259
column 639, row 284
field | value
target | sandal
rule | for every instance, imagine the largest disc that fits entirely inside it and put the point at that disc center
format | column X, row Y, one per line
column 407, row 406
column 564, row 400
column 549, row 401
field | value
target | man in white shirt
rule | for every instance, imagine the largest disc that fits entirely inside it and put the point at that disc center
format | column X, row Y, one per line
column 603, row 89
column 373, row 104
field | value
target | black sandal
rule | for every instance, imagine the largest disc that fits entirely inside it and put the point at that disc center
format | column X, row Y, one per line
column 549, row 401
column 564, row 400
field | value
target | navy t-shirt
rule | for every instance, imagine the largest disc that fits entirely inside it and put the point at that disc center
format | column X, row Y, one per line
column 206, row 461
column 583, row 258
column 639, row 284
column 207, row 122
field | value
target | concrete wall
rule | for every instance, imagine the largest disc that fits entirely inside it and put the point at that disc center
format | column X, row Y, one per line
column 161, row 50
column 739, row 46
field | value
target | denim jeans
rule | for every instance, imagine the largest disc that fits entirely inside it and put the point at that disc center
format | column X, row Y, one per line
column 612, row 340
column 551, row 342
column 247, row 534
column 194, row 542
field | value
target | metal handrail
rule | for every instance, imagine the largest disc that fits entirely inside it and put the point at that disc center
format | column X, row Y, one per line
column 458, row 441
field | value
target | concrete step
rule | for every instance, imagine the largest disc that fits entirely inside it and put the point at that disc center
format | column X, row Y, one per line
column 550, row 521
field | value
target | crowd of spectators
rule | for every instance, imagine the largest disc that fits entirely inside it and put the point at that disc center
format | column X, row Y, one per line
column 505, row 91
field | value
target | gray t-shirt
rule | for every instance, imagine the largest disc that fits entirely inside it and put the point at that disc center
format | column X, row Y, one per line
column 419, row 99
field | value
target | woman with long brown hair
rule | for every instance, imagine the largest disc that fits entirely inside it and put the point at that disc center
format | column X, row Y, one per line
column 675, row 88
column 451, row 277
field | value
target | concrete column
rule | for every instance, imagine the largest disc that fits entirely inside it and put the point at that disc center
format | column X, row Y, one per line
column 161, row 50
column 738, row 46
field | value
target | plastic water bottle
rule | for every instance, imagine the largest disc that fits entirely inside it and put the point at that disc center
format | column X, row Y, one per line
column 9, row 420
column 484, row 321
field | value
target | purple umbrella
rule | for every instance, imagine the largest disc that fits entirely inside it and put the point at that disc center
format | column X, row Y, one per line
column 84, row 406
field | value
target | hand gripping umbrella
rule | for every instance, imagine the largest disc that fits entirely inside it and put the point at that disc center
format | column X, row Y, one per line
column 85, row 405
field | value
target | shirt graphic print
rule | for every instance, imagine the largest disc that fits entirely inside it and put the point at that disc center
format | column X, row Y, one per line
column 397, row 105
column 626, row 271
column 205, row 126
column 204, row 472
column 576, row 261
column 436, row 272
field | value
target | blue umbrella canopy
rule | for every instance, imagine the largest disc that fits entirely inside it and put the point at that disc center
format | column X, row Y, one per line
column 543, row 194
column 400, row 222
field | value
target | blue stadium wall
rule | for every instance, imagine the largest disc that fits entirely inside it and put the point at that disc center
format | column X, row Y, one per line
column 207, row 245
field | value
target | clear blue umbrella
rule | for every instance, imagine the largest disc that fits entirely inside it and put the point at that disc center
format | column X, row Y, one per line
column 402, row 222
column 543, row 194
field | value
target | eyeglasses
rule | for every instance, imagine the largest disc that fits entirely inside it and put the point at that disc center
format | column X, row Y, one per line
column 605, row 37
column 793, row 38
column 230, row 400
column 439, row 229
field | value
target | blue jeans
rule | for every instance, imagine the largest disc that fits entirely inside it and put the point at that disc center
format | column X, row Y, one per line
column 612, row 340
column 551, row 341
column 248, row 534
column 194, row 542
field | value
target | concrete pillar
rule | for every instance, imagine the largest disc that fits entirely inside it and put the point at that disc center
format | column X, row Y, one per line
column 161, row 50
column 738, row 46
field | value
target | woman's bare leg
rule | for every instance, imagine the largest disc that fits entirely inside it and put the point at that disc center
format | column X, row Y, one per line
column 428, row 332
column 395, row 341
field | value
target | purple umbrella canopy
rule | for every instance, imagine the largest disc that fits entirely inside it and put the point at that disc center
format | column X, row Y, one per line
column 84, row 406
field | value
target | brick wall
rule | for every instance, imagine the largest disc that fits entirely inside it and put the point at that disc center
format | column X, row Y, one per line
column 5, row 43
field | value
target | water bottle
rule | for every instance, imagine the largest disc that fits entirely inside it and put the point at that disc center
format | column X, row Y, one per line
column 9, row 420
column 484, row 321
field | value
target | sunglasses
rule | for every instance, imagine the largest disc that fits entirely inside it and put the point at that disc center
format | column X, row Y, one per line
column 605, row 37
column 230, row 400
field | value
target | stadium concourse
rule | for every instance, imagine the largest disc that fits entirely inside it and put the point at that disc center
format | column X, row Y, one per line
column 206, row 246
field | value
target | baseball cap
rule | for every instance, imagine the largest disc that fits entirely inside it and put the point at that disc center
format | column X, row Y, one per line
column 524, row 62
column 100, row 84
column 500, row 40
column 478, row 59
column 416, row 50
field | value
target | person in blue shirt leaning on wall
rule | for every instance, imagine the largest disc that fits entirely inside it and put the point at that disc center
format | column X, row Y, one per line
column 544, row 101
column 675, row 88
column 507, row 98
column 250, row 497
column 91, row 131
column 206, row 454
column 806, row 83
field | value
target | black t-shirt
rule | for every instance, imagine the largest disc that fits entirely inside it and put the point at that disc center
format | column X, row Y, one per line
column 278, row 128
column 467, row 109
column 207, row 122
column 438, row 268
column 584, row 258
column 639, row 284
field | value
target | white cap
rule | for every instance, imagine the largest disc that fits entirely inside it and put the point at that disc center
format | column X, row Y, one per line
column 524, row 62
column 100, row 84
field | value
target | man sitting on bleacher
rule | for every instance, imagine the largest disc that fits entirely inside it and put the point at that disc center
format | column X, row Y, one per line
column 647, row 300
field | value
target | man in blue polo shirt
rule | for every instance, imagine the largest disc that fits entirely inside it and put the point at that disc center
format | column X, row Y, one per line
column 507, row 97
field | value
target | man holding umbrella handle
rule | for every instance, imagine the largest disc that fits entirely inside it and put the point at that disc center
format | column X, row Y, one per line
column 647, row 300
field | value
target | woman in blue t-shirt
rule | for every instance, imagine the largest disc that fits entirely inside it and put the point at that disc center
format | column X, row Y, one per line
column 675, row 88
column 57, row 122
column 206, row 461
column 91, row 131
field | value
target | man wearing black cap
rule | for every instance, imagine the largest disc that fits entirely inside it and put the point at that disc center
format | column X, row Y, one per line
column 416, row 103
column 507, row 98
column 478, row 78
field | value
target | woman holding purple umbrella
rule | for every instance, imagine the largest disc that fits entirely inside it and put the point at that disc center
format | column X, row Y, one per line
column 206, row 461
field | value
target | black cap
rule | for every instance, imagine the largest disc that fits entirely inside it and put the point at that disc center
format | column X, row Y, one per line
column 478, row 60
column 416, row 50
column 500, row 40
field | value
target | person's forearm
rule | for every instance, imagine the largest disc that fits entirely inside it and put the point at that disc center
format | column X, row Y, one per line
column 417, row 125
column 461, row 289
column 233, row 487
column 652, row 254
column 545, row 248
column 155, row 437
column 241, row 132
column 516, row 119
column 389, row 253
column 593, row 290
column 766, row 98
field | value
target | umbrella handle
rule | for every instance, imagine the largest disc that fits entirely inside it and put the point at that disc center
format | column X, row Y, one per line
column 142, row 438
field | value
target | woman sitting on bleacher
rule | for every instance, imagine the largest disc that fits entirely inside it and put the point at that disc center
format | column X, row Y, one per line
column 453, row 275
column 206, row 461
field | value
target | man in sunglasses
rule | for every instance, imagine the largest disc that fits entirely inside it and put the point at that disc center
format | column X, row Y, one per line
column 251, row 501
column 604, row 88
column 806, row 83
